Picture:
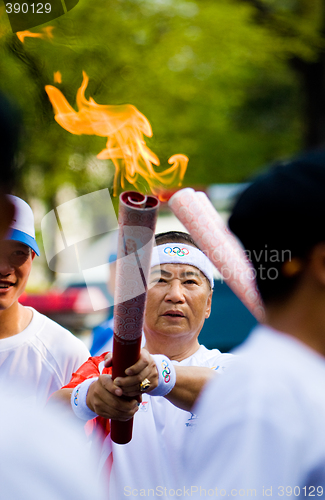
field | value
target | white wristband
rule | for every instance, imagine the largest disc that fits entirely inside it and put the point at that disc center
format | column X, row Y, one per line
column 78, row 400
column 166, row 374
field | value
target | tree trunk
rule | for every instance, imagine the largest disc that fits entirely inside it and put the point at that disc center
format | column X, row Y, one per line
column 312, row 77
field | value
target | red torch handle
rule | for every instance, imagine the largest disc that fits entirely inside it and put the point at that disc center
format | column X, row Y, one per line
column 125, row 355
column 137, row 221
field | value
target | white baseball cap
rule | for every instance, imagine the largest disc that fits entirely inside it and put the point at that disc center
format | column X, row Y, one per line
column 22, row 226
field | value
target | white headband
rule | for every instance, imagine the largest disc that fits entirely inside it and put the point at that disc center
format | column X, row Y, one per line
column 178, row 253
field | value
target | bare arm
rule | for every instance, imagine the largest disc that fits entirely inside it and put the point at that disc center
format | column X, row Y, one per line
column 104, row 395
column 190, row 381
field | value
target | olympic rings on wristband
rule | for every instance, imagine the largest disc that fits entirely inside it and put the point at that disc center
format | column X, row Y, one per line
column 166, row 371
column 76, row 395
column 176, row 250
column 78, row 400
column 166, row 375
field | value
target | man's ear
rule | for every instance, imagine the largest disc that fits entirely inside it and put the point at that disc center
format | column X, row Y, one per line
column 209, row 302
column 33, row 254
column 317, row 263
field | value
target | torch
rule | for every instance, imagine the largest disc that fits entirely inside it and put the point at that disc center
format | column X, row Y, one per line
column 209, row 231
column 137, row 221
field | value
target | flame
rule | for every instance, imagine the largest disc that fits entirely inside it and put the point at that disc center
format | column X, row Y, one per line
column 168, row 177
column 125, row 127
column 47, row 33
column 57, row 77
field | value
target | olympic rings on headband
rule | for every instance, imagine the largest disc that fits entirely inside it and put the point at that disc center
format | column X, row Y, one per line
column 176, row 250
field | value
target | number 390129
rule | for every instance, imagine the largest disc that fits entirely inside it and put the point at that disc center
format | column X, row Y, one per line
column 34, row 8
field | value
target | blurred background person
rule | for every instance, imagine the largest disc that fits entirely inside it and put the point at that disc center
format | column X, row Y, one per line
column 43, row 455
column 261, row 429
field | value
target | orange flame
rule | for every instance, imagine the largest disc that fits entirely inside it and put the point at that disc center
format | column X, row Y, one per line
column 57, row 77
column 124, row 126
column 47, row 33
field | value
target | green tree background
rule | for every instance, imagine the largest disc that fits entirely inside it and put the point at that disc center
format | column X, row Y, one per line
column 233, row 84
column 220, row 81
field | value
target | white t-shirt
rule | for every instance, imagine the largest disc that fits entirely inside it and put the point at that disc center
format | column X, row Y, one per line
column 41, row 358
column 44, row 455
column 261, row 429
column 151, row 459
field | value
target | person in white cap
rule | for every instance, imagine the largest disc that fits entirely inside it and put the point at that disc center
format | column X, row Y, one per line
column 177, row 306
column 35, row 352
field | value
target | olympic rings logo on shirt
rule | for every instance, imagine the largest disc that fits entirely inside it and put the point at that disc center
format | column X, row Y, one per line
column 166, row 371
column 176, row 250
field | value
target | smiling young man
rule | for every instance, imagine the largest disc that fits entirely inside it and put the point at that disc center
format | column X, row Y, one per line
column 35, row 352
column 178, row 302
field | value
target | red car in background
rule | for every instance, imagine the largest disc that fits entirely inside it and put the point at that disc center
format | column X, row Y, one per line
column 71, row 307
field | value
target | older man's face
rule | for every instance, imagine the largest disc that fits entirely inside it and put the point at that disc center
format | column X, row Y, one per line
column 178, row 303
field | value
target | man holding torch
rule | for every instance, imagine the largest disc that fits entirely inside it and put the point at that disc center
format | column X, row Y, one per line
column 178, row 302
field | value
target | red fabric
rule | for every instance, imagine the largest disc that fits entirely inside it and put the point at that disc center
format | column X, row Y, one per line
column 88, row 370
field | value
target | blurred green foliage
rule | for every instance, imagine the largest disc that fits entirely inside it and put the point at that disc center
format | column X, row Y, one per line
column 214, row 78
